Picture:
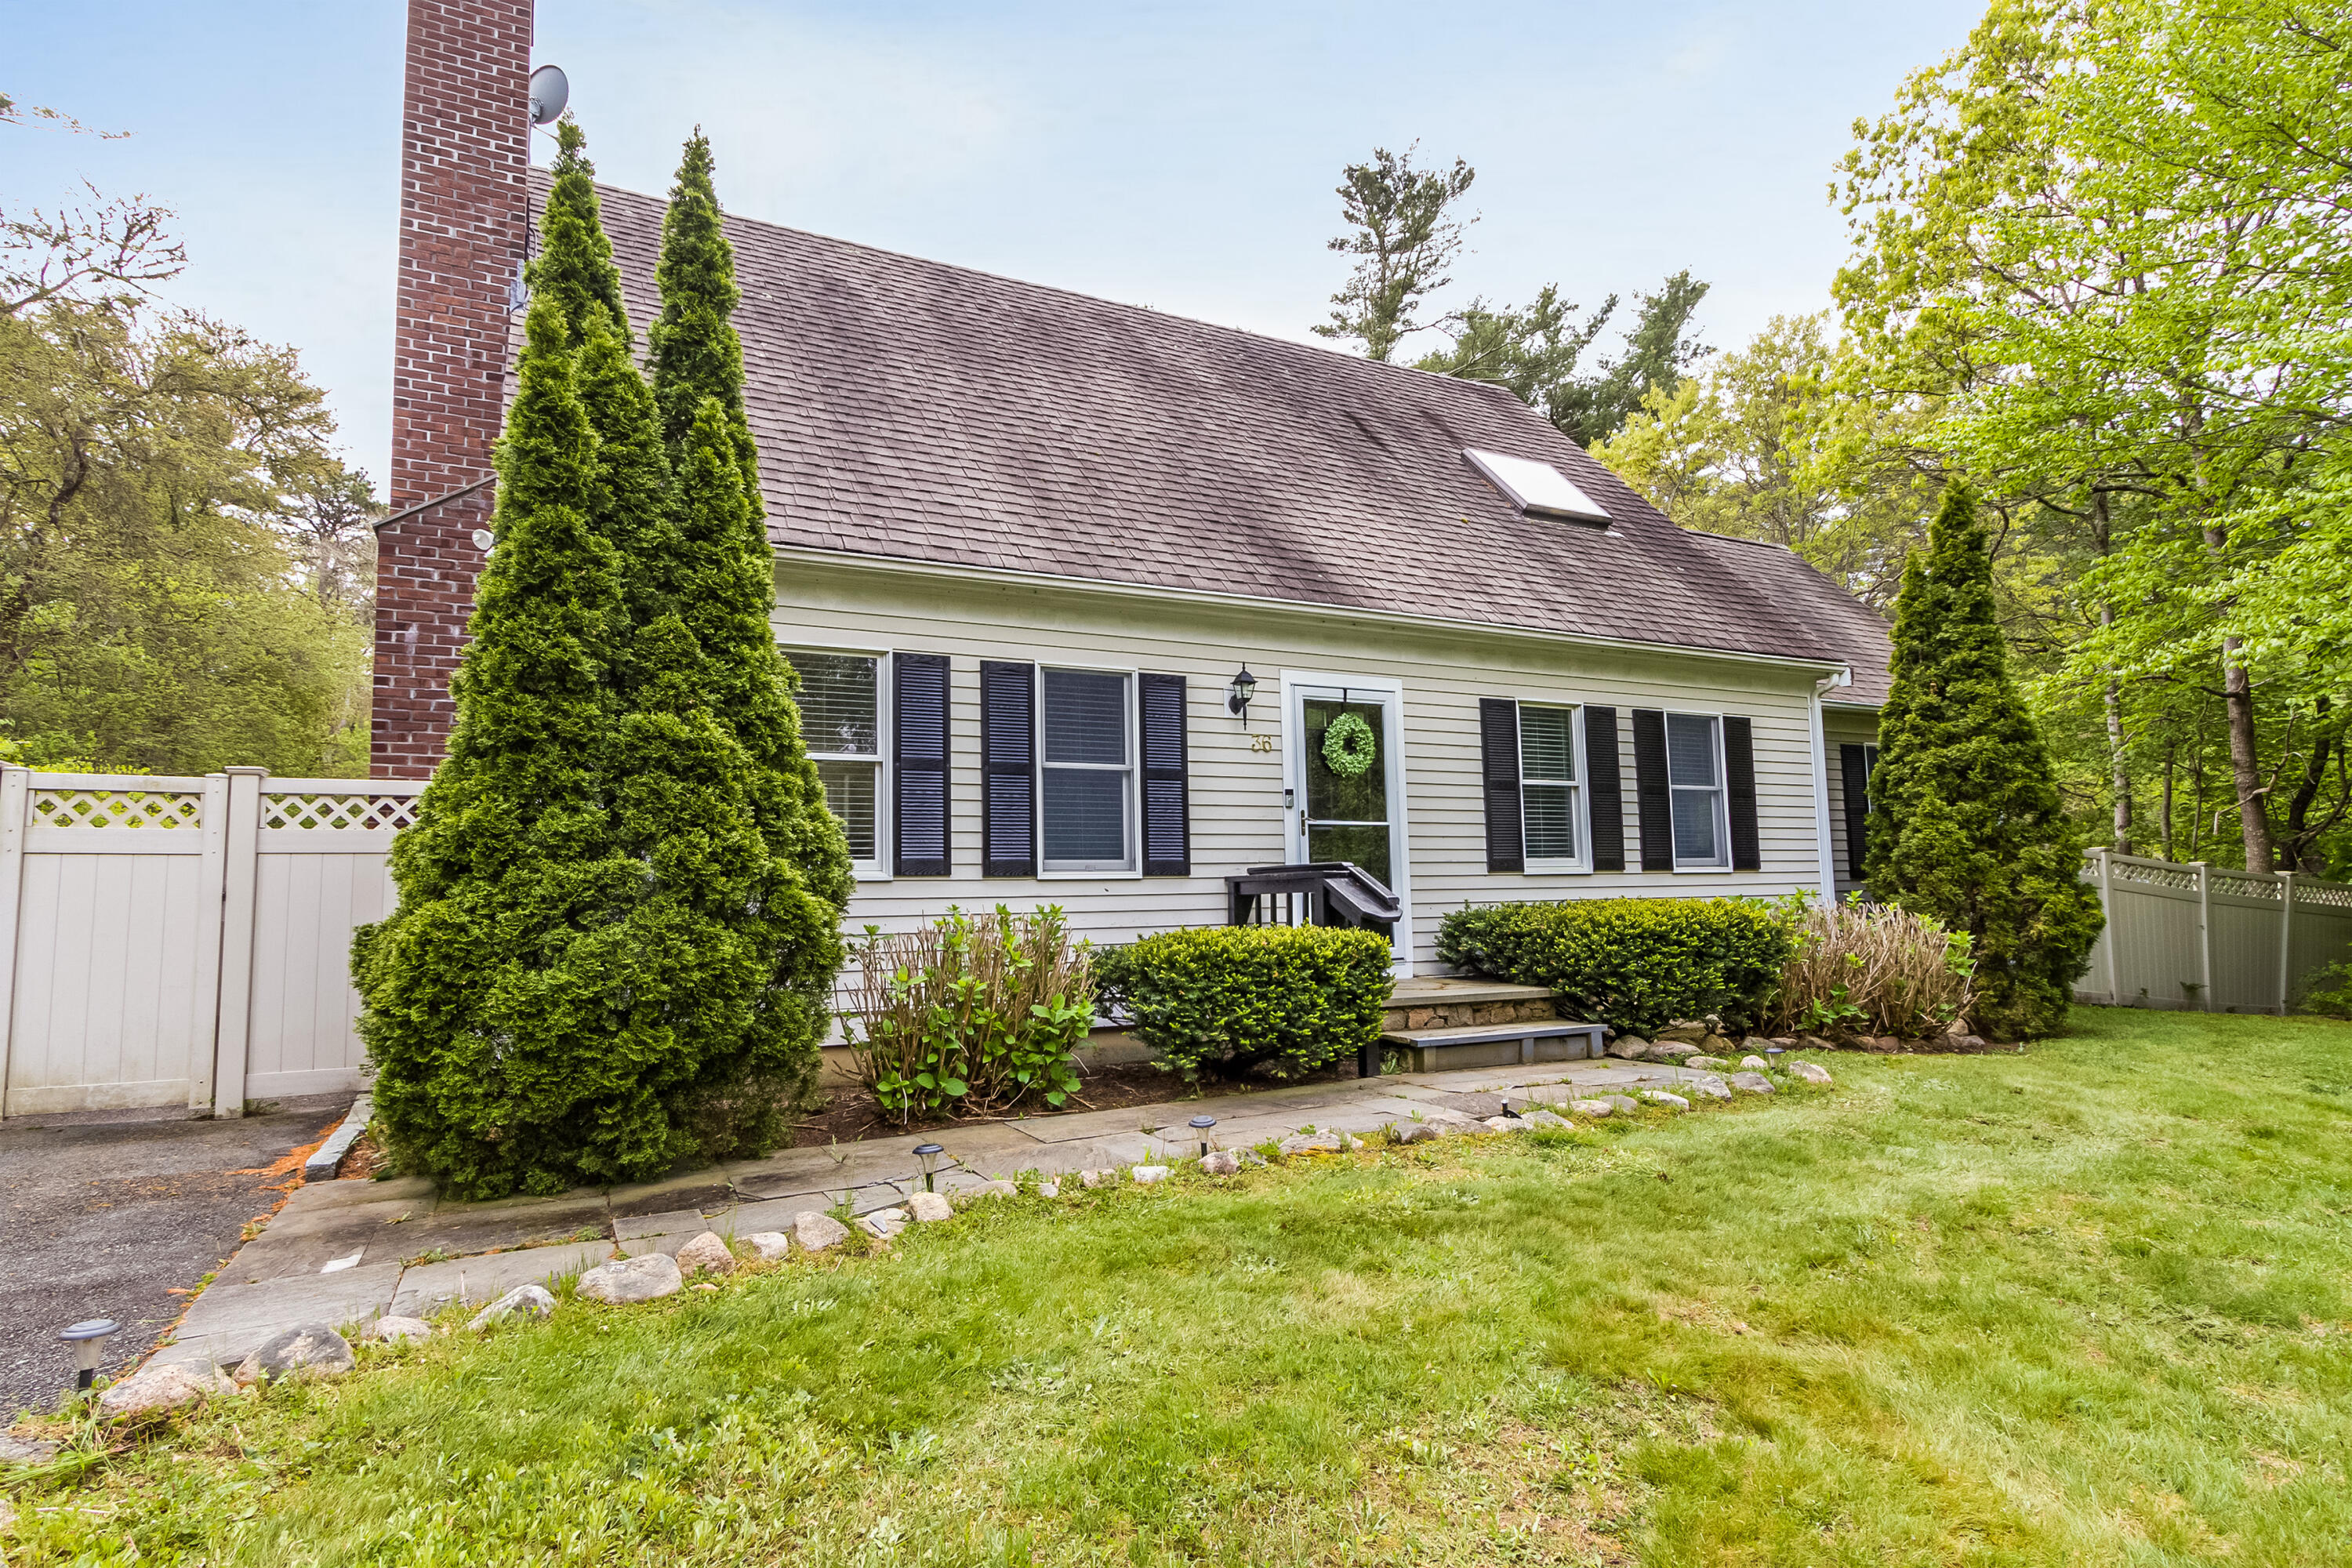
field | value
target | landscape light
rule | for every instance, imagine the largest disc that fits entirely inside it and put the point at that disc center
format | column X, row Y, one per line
column 1200, row 1125
column 928, row 1154
column 88, row 1341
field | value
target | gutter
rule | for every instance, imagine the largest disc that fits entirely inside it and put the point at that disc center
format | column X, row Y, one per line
column 1827, row 848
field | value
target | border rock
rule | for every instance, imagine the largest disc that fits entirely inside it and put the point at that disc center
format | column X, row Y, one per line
column 162, row 1386
column 306, row 1350
column 396, row 1330
column 706, row 1253
column 930, row 1207
column 813, row 1231
column 646, row 1277
column 523, row 1302
column 1752, row 1083
column 769, row 1246
column 1809, row 1072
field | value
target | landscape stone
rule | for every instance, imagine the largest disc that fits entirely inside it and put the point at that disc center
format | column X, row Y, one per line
column 1815, row 1042
column 996, row 1189
column 1752, row 1083
column 883, row 1223
column 815, row 1232
column 1717, row 1043
column 1752, row 1064
column 1590, row 1107
column 1707, row 1064
column 1620, row 1102
column 704, row 1284
column 1403, row 1131
column 306, row 1350
column 1687, row 1029
column 930, row 1207
column 1672, row 1051
column 774, row 1245
column 1547, row 1119
column 395, row 1330
column 25, row 1450
column 1660, row 1097
column 1709, row 1085
column 529, row 1301
column 645, row 1278
column 1507, row 1123
column 1967, row 1042
column 1311, row 1143
column 1221, row 1162
column 162, row 1386
column 1147, row 1174
column 1096, row 1178
column 1810, row 1073
column 1049, row 1189
column 1628, row 1048
column 706, row 1253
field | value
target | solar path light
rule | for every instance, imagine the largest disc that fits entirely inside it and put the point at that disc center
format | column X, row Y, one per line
column 928, row 1154
column 88, row 1341
column 1200, row 1125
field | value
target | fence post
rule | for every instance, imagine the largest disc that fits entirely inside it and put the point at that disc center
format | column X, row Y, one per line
column 2107, row 908
column 2286, row 937
column 240, row 875
column 204, row 1050
column 2204, row 935
column 15, row 802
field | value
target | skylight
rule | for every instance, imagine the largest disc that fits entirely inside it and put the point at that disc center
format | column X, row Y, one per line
column 1535, row 487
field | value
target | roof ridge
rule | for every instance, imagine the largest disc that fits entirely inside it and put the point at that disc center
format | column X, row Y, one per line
column 1031, row 286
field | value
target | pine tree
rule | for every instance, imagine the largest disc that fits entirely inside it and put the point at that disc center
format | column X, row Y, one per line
column 724, row 582
column 575, row 262
column 486, row 995
column 1965, row 821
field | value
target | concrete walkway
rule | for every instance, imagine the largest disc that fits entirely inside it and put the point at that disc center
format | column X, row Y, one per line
column 342, row 1252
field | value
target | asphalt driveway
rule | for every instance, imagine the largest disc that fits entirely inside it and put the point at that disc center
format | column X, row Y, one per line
column 104, row 1211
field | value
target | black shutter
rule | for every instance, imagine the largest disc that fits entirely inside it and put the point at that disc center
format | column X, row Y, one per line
column 1608, row 787
column 1739, row 774
column 1167, row 833
column 919, row 733
column 1008, row 769
column 1499, row 748
column 1650, row 784
column 1853, row 762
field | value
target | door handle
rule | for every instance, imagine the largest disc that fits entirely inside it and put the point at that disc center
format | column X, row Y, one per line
column 1302, row 827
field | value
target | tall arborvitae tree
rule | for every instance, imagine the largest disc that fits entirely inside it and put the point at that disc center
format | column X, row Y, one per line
column 1966, row 822
column 486, row 992
column 725, row 582
column 575, row 263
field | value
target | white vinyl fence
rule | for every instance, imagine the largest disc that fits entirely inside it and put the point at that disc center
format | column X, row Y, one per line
column 2205, row 938
column 185, row 941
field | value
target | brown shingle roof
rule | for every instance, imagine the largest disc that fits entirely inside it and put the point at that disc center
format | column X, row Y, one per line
column 910, row 409
column 1837, row 617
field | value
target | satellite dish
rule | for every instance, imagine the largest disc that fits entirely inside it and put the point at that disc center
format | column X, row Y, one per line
column 551, row 90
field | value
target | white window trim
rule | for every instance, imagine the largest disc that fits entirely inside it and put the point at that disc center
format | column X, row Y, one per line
column 1722, row 800
column 878, row 868
column 1133, row 870
column 1581, row 796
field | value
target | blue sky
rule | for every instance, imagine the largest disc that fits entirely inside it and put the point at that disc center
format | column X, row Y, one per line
column 1180, row 156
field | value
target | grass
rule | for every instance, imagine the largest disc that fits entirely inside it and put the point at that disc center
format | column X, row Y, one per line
column 2087, row 1305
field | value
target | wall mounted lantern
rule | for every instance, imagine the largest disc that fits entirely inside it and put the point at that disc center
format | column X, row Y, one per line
column 1239, row 692
column 88, row 1341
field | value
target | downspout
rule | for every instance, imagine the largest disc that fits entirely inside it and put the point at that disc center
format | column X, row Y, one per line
column 1822, row 839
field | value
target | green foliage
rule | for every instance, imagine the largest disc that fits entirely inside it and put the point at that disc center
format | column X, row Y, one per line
column 1659, row 353
column 490, row 993
column 1633, row 964
column 1966, row 825
column 2328, row 993
column 182, row 572
column 969, row 1015
column 1405, row 237
column 1873, row 969
column 1278, row 1001
column 575, row 263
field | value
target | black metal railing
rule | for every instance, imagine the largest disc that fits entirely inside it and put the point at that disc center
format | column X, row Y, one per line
column 1323, row 893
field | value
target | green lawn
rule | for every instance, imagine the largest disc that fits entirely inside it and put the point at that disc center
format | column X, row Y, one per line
column 2088, row 1305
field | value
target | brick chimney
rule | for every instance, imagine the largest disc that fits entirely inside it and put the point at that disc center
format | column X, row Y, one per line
column 465, row 153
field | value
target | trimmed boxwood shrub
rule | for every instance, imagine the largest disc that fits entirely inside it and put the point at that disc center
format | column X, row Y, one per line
column 1279, row 1001
column 1633, row 964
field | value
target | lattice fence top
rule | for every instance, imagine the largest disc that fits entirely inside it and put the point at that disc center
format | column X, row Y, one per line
column 2322, row 895
column 305, row 810
column 2269, row 888
column 118, row 809
column 2182, row 876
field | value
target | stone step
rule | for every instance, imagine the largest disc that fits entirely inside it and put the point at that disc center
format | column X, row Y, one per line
column 1434, row 991
column 1444, row 1003
column 1493, row 1045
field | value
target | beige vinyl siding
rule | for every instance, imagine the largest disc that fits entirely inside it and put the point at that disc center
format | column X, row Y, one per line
column 1236, row 810
column 1844, row 727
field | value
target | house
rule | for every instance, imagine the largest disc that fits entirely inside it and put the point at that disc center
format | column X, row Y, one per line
column 1031, row 548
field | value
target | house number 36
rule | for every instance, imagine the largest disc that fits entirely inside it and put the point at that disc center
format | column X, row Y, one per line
column 1261, row 743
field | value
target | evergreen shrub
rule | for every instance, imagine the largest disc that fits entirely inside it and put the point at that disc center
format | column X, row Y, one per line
column 1633, row 964
column 1276, row 1001
column 967, row 1014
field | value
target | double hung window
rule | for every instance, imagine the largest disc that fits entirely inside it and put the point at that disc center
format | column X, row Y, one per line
column 841, row 724
column 1086, row 721
column 1695, row 779
column 1551, row 805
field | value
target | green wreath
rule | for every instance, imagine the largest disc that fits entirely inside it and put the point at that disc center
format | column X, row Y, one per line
column 1349, row 746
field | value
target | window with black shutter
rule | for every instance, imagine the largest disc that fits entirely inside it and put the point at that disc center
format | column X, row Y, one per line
column 1855, row 765
column 1608, row 792
column 1167, row 830
column 1655, row 799
column 919, row 686
column 1008, row 769
column 1498, row 745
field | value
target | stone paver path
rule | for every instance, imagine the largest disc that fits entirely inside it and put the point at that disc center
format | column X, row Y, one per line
column 342, row 1252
